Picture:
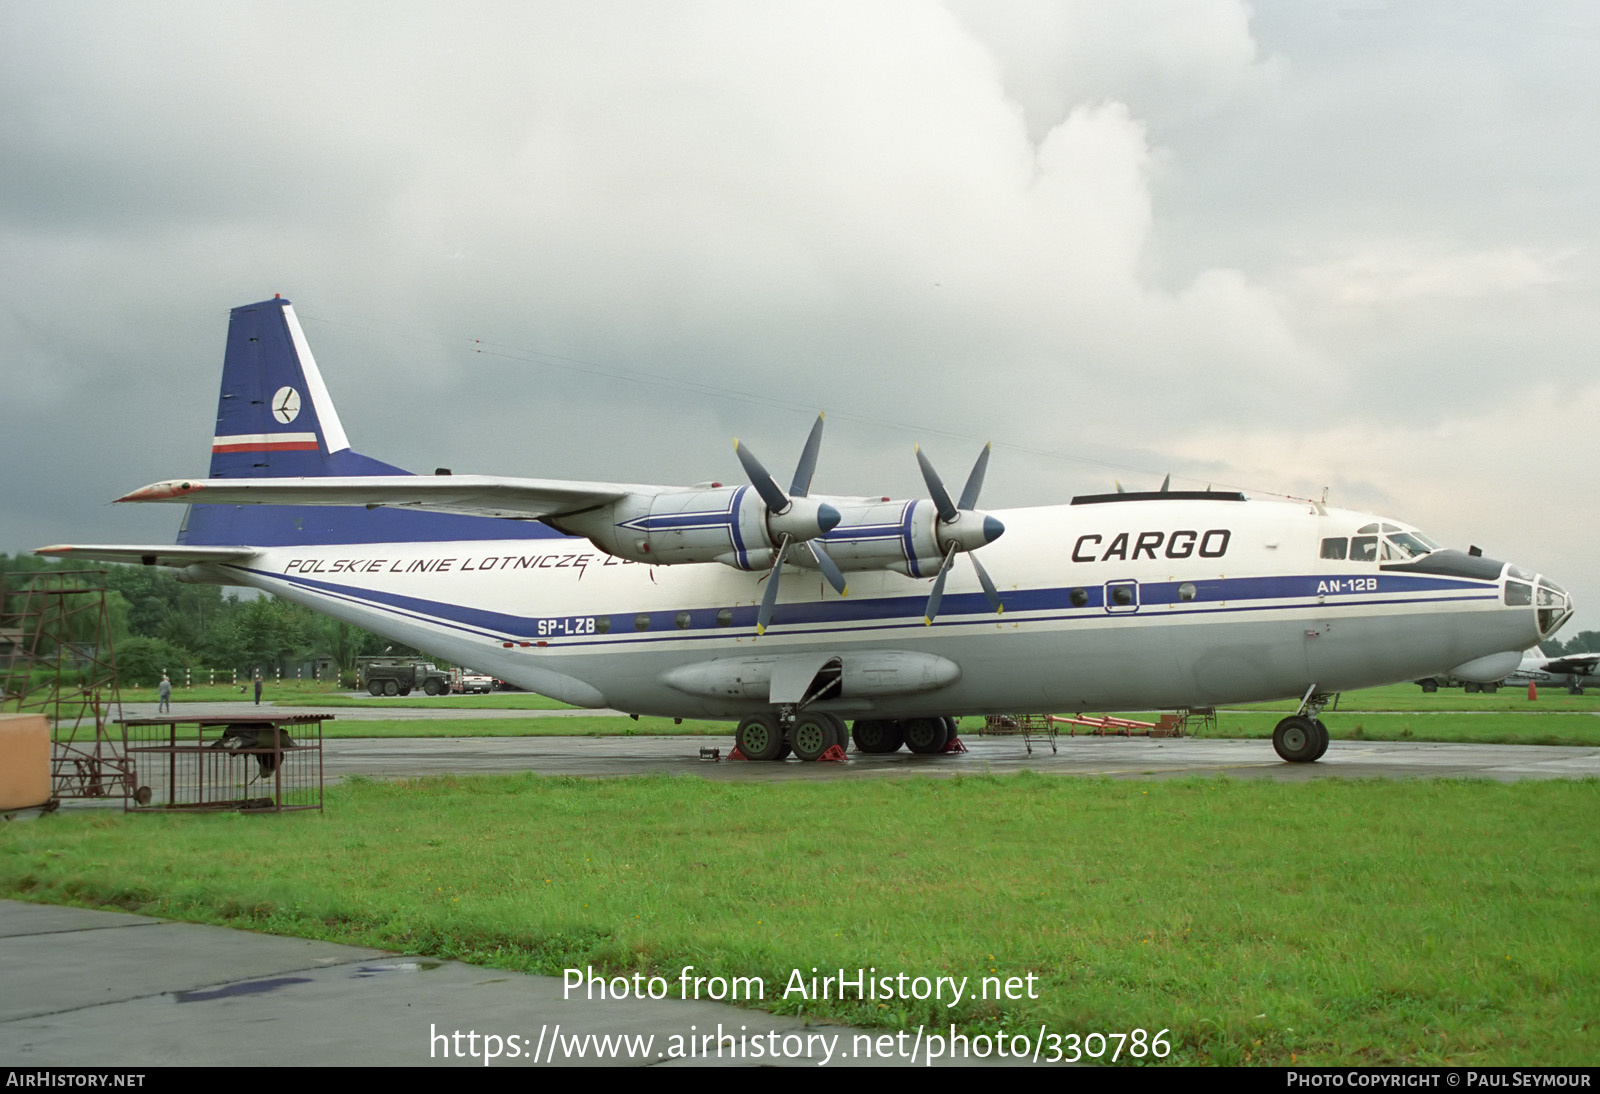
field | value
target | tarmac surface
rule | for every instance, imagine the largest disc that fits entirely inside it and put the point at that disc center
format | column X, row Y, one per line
column 101, row 989
column 1115, row 757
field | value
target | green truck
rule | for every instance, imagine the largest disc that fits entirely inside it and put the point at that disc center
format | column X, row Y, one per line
column 399, row 677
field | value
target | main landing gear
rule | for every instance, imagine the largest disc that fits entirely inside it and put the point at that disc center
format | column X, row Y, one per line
column 809, row 735
column 1301, row 738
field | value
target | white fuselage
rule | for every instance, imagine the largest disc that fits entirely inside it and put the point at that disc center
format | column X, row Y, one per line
column 1139, row 605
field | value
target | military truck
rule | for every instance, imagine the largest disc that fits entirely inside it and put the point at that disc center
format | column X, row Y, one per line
column 399, row 677
column 1431, row 684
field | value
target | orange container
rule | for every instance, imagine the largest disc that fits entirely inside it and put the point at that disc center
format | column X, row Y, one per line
column 24, row 761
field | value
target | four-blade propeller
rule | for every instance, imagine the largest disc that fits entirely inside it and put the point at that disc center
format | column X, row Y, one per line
column 962, row 527
column 793, row 518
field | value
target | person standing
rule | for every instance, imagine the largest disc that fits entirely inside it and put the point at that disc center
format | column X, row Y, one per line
column 164, row 693
column 258, row 689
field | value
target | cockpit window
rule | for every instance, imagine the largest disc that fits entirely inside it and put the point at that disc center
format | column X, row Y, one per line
column 1379, row 542
column 1407, row 545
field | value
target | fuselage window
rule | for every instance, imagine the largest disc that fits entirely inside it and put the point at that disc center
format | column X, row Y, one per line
column 682, row 620
column 602, row 624
column 1518, row 595
column 1079, row 597
column 1335, row 548
column 1364, row 549
column 725, row 617
column 1121, row 594
column 641, row 622
column 1187, row 591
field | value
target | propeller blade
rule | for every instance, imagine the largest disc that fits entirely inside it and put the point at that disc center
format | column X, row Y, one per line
column 969, row 496
column 988, row 586
column 808, row 462
column 771, row 496
column 829, row 568
column 936, row 490
column 769, row 599
column 931, row 612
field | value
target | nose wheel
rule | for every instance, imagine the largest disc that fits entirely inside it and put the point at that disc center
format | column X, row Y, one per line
column 1300, row 740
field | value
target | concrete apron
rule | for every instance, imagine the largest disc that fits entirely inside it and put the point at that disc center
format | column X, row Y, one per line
column 102, row 989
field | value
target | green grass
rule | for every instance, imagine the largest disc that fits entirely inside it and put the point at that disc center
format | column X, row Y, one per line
column 1409, row 697
column 1489, row 727
column 285, row 691
column 1331, row 922
column 499, row 700
column 573, row 726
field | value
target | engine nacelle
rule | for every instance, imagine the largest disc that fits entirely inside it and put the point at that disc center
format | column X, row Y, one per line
column 905, row 536
column 727, row 524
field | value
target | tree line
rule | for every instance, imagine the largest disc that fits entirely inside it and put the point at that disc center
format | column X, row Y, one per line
column 160, row 624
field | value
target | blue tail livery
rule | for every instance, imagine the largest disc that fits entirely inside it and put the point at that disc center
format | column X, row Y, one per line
column 275, row 419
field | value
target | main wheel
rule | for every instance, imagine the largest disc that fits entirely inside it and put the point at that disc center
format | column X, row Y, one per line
column 877, row 735
column 813, row 735
column 1430, row 686
column 760, row 737
column 1296, row 739
column 926, row 735
column 1322, row 738
column 840, row 733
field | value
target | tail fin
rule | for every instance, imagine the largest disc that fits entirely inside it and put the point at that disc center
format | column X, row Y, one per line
column 275, row 419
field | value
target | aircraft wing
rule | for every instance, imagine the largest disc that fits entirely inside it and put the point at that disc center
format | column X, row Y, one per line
column 473, row 495
column 158, row 554
column 1582, row 664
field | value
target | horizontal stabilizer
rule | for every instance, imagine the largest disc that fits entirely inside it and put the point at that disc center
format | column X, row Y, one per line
column 157, row 554
column 474, row 495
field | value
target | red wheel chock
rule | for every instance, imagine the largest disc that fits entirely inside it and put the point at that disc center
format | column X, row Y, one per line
column 834, row 755
column 736, row 754
column 954, row 744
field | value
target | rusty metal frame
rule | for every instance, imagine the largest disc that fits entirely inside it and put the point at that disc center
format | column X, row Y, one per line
column 57, row 621
column 186, row 763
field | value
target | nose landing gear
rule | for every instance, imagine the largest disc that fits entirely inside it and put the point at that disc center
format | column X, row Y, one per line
column 1301, row 738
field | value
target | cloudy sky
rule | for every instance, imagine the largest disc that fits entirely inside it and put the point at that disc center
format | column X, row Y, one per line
column 1281, row 247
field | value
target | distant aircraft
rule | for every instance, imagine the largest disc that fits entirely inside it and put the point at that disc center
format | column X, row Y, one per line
column 1574, row 671
column 791, row 611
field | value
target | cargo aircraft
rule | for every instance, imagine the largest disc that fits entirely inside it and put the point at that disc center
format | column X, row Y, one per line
column 791, row 611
